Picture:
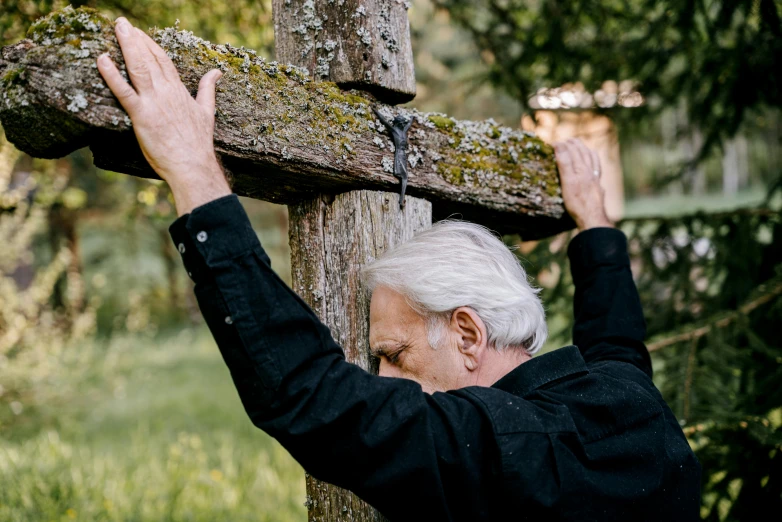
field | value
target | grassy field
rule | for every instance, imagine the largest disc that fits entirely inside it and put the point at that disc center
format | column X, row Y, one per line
column 142, row 429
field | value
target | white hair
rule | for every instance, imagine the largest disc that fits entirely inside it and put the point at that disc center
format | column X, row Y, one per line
column 454, row 264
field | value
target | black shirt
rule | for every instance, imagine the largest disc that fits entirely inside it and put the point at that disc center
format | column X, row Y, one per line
column 580, row 433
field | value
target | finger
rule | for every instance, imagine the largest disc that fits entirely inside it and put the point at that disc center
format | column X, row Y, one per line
column 581, row 155
column 141, row 64
column 165, row 63
column 561, row 152
column 206, row 90
column 126, row 95
column 596, row 163
column 564, row 158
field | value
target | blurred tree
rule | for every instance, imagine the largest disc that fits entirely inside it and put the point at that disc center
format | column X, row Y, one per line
column 241, row 22
column 68, row 229
column 33, row 326
column 449, row 71
column 722, row 58
column 130, row 210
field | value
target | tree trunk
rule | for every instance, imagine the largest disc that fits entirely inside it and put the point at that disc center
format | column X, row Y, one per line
column 331, row 239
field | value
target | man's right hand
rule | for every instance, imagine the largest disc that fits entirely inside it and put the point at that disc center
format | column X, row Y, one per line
column 579, row 174
column 175, row 131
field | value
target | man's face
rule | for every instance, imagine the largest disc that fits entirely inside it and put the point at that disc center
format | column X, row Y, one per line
column 397, row 335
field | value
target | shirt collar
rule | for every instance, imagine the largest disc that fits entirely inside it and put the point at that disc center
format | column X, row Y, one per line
column 541, row 370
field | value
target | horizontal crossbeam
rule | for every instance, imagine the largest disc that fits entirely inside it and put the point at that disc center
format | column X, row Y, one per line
column 282, row 136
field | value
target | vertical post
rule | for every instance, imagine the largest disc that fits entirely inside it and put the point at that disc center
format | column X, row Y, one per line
column 358, row 44
column 331, row 238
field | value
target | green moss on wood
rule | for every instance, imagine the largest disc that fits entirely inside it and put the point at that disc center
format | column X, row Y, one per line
column 12, row 75
column 442, row 122
column 334, row 118
column 67, row 23
column 450, row 173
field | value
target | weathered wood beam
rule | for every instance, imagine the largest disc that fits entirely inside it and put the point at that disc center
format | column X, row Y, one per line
column 284, row 137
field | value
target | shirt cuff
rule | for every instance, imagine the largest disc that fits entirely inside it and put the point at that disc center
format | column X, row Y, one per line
column 602, row 246
column 211, row 233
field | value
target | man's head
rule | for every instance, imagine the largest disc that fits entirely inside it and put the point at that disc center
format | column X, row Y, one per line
column 452, row 308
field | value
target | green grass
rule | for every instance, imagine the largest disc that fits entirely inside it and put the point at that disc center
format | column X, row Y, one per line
column 141, row 429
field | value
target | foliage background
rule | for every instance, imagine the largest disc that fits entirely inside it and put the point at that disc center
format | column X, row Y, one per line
column 114, row 402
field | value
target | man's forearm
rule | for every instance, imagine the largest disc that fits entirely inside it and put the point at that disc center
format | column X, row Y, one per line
column 189, row 193
column 609, row 321
column 222, row 254
column 342, row 424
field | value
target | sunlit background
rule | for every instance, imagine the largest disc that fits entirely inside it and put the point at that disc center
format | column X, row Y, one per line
column 114, row 401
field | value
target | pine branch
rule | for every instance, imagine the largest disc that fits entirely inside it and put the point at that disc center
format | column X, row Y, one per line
column 767, row 294
column 688, row 379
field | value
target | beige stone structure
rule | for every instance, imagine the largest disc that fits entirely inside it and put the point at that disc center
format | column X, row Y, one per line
column 567, row 112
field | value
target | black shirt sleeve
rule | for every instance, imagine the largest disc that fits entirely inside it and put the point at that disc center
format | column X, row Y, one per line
column 384, row 438
column 609, row 321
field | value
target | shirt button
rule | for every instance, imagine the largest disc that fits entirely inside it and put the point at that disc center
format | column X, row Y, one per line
column 228, row 320
column 201, row 236
column 181, row 248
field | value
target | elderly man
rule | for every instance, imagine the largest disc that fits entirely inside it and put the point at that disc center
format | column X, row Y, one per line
column 462, row 423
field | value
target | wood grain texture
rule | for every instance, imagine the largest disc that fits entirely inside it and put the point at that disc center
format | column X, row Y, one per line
column 362, row 44
column 283, row 137
column 331, row 239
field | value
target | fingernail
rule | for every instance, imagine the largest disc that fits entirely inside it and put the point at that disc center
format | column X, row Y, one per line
column 122, row 26
column 104, row 58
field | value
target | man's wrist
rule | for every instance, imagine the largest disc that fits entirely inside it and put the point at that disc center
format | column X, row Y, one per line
column 195, row 191
column 594, row 222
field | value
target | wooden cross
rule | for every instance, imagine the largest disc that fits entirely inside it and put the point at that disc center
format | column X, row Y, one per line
column 308, row 139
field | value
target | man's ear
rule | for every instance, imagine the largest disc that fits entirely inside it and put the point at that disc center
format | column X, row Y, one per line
column 471, row 336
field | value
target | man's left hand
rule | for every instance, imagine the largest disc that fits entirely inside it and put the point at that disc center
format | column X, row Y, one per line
column 175, row 131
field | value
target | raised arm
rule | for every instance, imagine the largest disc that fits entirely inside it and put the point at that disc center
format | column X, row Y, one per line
column 609, row 321
column 383, row 438
column 397, row 447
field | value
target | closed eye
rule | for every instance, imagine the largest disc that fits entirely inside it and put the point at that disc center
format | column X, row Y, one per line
column 390, row 352
column 393, row 357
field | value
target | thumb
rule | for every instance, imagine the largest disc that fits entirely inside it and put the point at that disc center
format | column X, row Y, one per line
column 206, row 90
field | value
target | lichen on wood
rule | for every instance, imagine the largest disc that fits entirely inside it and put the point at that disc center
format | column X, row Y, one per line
column 282, row 135
column 355, row 43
